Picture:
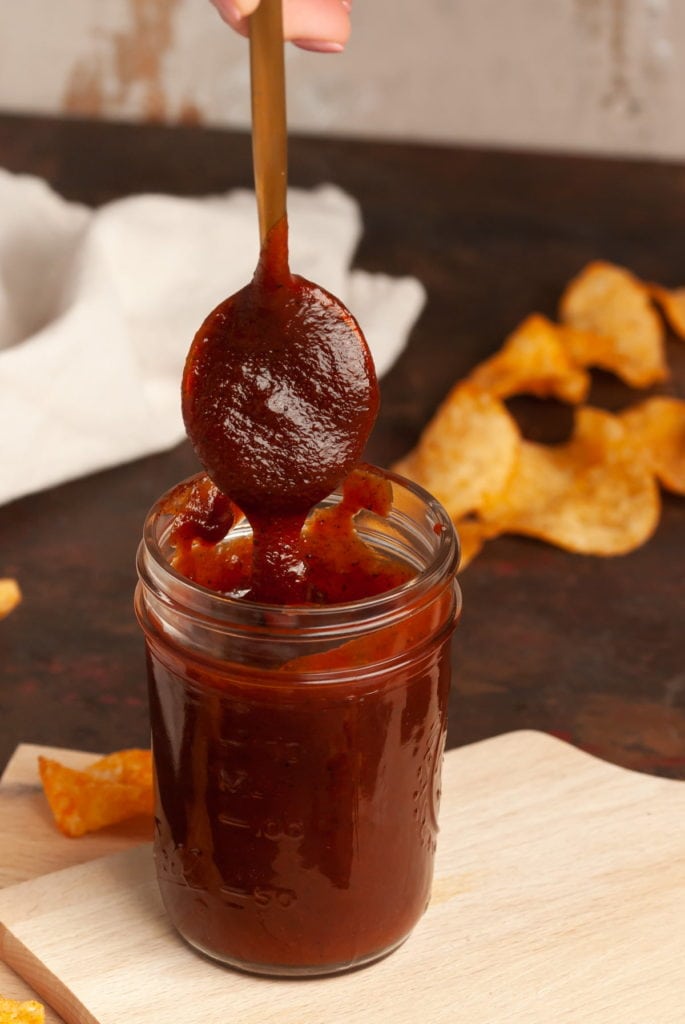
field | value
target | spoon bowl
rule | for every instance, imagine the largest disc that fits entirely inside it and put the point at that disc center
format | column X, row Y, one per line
column 279, row 390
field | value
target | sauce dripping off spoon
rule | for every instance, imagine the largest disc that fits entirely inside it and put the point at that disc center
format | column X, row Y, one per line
column 279, row 390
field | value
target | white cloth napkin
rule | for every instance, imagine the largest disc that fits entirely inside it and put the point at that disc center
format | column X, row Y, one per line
column 98, row 309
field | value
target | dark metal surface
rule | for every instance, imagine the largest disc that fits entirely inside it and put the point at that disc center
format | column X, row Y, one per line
column 590, row 649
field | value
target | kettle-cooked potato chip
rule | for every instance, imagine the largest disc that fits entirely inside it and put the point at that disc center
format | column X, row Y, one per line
column 672, row 302
column 10, row 596
column 659, row 425
column 467, row 451
column 473, row 534
column 614, row 325
column 14, row 1011
column 111, row 790
column 534, row 361
column 595, row 495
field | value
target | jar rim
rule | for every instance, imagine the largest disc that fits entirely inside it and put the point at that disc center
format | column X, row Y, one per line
column 155, row 570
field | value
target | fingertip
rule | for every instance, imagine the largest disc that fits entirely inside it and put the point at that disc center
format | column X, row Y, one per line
column 236, row 12
column 228, row 12
column 321, row 26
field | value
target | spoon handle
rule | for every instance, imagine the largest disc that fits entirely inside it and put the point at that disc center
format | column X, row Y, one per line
column 269, row 138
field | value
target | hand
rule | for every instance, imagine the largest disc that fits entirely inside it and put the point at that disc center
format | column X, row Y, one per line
column 321, row 25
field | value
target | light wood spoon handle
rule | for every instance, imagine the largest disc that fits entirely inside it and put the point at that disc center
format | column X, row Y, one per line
column 269, row 134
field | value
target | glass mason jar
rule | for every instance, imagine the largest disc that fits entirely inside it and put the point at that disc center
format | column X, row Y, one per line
column 298, row 752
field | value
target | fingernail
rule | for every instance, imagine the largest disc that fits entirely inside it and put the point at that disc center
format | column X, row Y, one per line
column 319, row 45
column 347, row 4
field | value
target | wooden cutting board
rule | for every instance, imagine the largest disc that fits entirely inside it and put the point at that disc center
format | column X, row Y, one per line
column 559, row 897
column 30, row 845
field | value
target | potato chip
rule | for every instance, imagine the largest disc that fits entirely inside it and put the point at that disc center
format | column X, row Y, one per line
column 613, row 325
column 533, row 361
column 659, row 425
column 595, row 495
column 672, row 302
column 467, row 451
column 13, row 1011
column 84, row 801
column 10, row 596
